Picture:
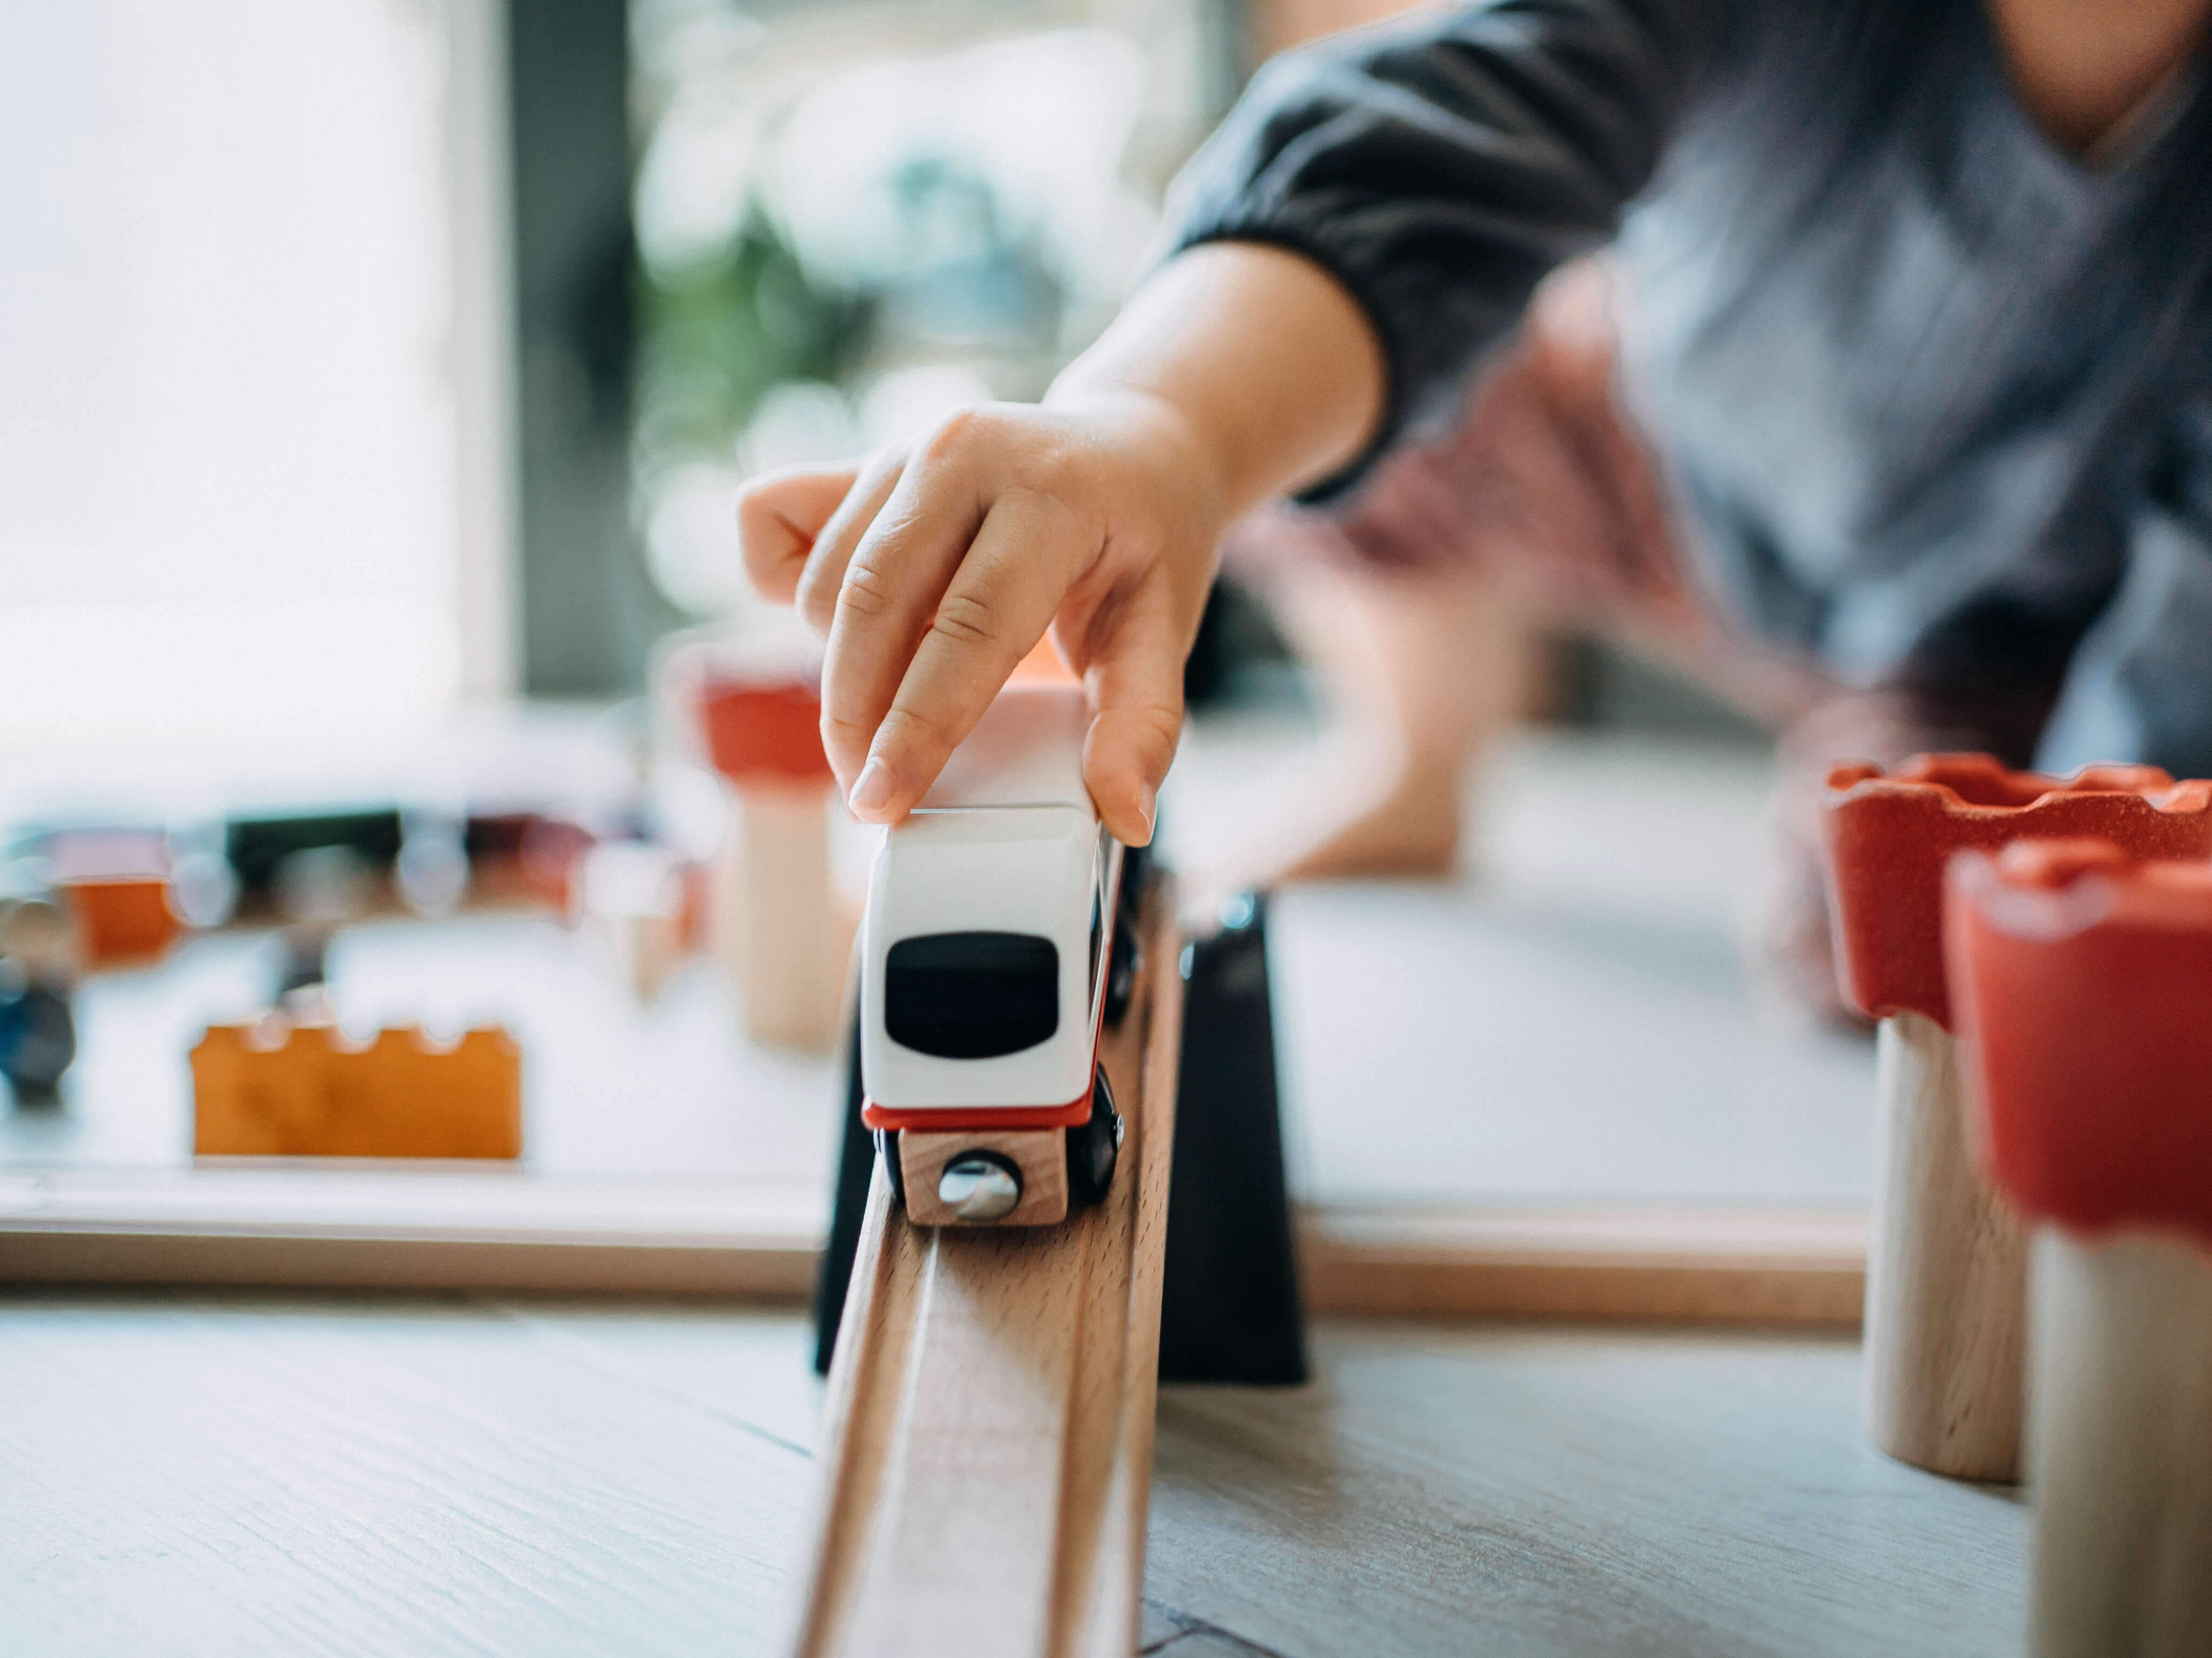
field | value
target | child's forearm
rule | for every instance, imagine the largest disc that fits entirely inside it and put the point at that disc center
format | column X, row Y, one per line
column 1271, row 369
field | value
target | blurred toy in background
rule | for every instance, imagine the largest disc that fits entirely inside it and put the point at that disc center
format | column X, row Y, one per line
column 317, row 889
column 135, row 888
column 112, row 880
column 286, row 1087
column 432, row 870
column 774, row 921
column 116, row 883
column 264, row 853
column 648, row 904
column 293, row 1084
column 526, row 859
column 409, row 860
column 39, row 967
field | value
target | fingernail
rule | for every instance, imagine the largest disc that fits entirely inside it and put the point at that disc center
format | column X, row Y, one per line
column 1148, row 803
column 872, row 790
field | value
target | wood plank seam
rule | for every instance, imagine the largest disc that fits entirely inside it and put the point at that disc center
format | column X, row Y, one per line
column 1192, row 1633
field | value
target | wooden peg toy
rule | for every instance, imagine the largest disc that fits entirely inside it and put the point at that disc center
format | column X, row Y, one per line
column 986, row 974
column 2083, row 982
column 279, row 1088
column 775, row 921
column 1947, row 1260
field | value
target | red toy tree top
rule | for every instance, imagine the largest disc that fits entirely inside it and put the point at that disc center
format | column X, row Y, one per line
column 1890, row 835
column 2083, row 980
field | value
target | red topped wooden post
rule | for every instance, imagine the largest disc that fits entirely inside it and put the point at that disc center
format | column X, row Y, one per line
column 775, row 923
column 2083, row 981
column 1947, row 1263
column 116, row 883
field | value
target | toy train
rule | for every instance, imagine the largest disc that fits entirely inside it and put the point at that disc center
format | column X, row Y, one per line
column 997, row 944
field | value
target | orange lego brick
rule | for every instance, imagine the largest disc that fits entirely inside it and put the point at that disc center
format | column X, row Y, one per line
column 278, row 1090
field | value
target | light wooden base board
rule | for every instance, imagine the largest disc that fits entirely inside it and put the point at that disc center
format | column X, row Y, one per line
column 279, row 1224
column 1747, row 1267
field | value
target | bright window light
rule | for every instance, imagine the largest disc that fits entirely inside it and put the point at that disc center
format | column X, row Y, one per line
column 228, row 492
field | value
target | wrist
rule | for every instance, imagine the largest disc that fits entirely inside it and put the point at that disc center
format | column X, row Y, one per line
column 1163, row 439
column 1270, row 367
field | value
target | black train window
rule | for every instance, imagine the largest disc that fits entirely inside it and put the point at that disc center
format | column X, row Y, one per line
column 971, row 995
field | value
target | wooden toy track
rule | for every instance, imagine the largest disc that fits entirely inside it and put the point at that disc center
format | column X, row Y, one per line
column 988, row 1450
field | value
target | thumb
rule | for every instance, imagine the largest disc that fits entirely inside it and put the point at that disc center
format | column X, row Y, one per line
column 1134, row 677
column 779, row 516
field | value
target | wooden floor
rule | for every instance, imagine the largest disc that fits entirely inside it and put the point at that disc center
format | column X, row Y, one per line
column 241, row 1475
column 192, row 1473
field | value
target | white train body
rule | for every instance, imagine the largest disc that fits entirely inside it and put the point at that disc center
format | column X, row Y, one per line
column 989, row 922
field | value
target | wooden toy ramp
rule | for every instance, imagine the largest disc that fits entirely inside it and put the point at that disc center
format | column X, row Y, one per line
column 988, row 1450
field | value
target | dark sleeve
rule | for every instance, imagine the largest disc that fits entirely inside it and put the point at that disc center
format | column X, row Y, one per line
column 2140, row 684
column 1441, row 166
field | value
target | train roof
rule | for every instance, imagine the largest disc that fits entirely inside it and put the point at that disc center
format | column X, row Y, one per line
column 1027, row 751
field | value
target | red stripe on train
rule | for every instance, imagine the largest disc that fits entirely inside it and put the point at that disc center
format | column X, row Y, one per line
column 970, row 1120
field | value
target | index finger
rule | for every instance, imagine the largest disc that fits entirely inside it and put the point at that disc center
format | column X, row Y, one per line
column 893, row 572
column 996, row 606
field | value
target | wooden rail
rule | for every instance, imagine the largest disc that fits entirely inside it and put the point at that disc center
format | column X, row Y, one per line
column 987, row 1457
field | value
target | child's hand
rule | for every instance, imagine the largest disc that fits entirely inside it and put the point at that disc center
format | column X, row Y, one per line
column 1234, row 372
column 933, row 566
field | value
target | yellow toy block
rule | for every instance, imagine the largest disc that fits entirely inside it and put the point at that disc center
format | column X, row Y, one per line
column 274, row 1088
